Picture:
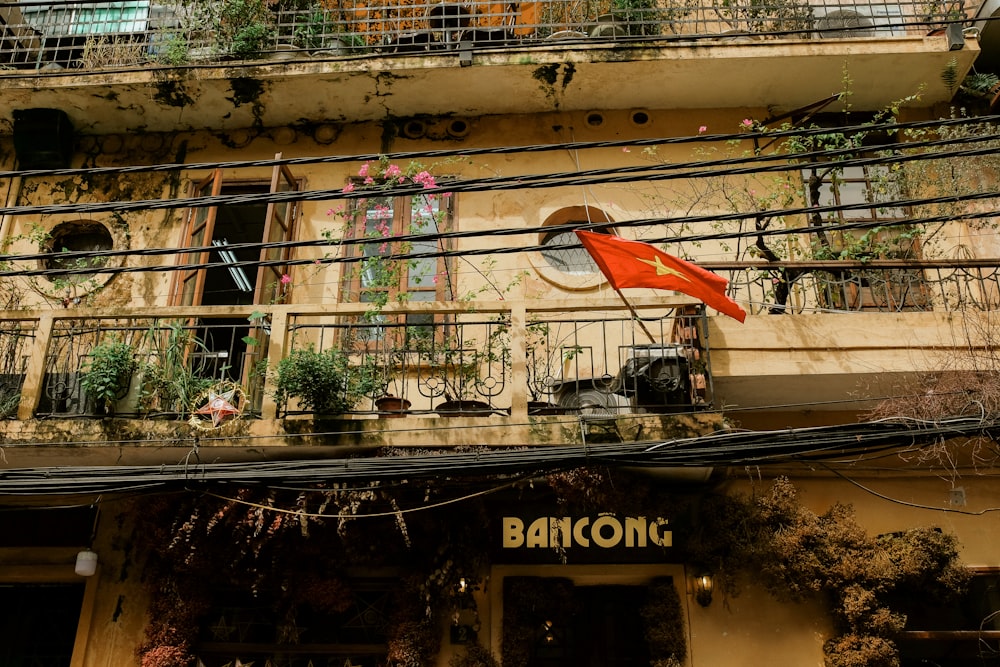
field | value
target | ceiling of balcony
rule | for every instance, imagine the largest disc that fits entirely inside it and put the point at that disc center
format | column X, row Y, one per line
column 758, row 74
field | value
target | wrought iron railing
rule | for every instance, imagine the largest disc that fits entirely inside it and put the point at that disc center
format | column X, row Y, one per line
column 490, row 360
column 873, row 286
column 128, row 33
column 597, row 358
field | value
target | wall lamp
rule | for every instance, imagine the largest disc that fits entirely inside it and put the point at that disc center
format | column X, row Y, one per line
column 703, row 585
column 86, row 560
column 86, row 563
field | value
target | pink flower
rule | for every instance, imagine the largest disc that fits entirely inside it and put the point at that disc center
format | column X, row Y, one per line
column 747, row 123
column 363, row 172
column 435, row 279
column 626, row 150
column 425, row 179
column 703, row 129
column 285, row 279
column 348, row 188
column 392, row 171
column 369, row 180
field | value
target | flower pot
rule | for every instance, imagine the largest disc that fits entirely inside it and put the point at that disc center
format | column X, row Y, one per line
column 463, row 408
column 392, row 406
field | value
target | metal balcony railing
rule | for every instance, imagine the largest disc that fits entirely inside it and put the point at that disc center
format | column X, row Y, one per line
column 872, row 286
column 495, row 360
column 596, row 360
column 129, row 33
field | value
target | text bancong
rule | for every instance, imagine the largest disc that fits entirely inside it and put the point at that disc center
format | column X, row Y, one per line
column 606, row 531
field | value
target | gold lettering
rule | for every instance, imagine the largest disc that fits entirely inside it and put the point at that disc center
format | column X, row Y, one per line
column 578, row 532
column 616, row 531
column 660, row 537
column 635, row 531
column 513, row 532
column 538, row 533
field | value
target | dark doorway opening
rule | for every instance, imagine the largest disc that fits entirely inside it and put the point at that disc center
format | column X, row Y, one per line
column 38, row 624
column 604, row 629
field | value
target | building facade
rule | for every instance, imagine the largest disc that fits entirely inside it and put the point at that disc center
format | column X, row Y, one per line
column 233, row 231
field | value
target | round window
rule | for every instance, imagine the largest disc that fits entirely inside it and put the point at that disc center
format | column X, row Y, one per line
column 82, row 236
column 561, row 258
column 564, row 252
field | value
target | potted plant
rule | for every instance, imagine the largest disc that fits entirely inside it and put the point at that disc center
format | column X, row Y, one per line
column 760, row 16
column 321, row 381
column 245, row 28
column 374, row 375
column 315, row 29
column 108, row 373
column 171, row 379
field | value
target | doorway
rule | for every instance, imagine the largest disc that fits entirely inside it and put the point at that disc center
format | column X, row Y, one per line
column 223, row 273
column 38, row 624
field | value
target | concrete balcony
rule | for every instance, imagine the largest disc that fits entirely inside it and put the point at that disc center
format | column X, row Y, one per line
column 575, row 371
column 151, row 70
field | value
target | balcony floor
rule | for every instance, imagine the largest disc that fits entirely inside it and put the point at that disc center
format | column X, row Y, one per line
column 778, row 75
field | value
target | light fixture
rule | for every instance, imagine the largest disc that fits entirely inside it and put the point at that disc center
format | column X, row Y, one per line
column 86, row 560
column 463, row 585
column 703, row 585
column 549, row 637
column 86, row 563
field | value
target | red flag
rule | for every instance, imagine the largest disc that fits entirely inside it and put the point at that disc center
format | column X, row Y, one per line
column 635, row 264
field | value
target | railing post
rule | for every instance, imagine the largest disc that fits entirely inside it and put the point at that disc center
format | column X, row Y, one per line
column 275, row 352
column 34, row 373
column 518, row 361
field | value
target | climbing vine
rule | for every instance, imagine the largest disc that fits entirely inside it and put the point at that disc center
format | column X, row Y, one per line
column 292, row 550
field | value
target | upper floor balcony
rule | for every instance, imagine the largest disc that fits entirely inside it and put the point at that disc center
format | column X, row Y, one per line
column 130, row 65
column 564, row 372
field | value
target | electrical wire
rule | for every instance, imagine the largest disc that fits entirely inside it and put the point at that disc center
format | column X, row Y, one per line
column 507, row 150
column 618, row 175
column 726, row 448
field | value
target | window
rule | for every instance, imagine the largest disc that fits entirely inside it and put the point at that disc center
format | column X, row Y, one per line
column 869, row 191
column 226, row 282
column 562, row 259
column 571, row 259
column 223, row 273
column 386, row 222
column 964, row 633
column 82, row 236
column 249, row 630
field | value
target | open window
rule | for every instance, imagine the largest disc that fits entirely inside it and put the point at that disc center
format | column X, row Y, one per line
column 885, row 232
column 238, row 258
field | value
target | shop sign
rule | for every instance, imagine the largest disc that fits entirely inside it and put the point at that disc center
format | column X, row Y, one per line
column 603, row 537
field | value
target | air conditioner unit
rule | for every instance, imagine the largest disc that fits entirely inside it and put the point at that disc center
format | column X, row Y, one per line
column 657, row 378
column 841, row 23
column 589, row 401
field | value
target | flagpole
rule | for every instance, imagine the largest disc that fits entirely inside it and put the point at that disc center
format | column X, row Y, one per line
column 635, row 316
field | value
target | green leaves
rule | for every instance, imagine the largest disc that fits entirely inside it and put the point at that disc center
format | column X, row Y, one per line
column 108, row 372
column 319, row 380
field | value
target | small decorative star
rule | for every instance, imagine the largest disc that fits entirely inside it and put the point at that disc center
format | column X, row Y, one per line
column 220, row 407
column 662, row 269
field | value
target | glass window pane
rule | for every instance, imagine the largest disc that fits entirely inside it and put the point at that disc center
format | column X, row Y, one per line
column 574, row 260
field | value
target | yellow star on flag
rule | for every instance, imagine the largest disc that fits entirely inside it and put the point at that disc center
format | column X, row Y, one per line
column 662, row 269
